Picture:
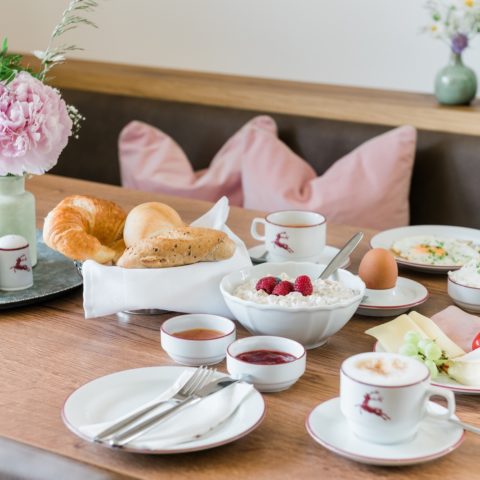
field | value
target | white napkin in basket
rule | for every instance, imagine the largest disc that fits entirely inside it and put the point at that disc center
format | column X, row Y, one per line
column 190, row 423
column 189, row 288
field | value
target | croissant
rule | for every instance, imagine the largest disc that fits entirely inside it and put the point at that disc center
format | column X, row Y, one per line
column 172, row 247
column 83, row 227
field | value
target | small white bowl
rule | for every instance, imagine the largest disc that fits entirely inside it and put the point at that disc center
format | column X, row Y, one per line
column 267, row 378
column 197, row 352
column 309, row 325
column 464, row 296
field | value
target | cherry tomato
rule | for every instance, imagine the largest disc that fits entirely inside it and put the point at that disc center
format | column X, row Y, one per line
column 476, row 342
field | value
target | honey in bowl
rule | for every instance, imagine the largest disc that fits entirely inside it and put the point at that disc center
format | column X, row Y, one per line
column 198, row 334
column 378, row 269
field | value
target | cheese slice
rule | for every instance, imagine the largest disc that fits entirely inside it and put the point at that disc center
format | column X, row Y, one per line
column 434, row 332
column 390, row 334
column 466, row 369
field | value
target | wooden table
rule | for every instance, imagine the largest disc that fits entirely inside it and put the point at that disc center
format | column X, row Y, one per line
column 49, row 350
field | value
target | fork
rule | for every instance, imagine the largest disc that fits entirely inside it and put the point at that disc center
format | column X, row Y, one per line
column 198, row 379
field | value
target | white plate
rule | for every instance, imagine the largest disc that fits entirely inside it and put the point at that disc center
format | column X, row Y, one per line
column 112, row 396
column 327, row 426
column 327, row 254
column 386, row 239
column 443, row 381
column 406, row 295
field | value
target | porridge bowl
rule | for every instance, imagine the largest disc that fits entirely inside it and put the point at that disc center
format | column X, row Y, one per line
column 308, row 319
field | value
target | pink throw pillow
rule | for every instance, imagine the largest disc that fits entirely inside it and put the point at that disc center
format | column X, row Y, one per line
column 368, row 187
column 152, row 161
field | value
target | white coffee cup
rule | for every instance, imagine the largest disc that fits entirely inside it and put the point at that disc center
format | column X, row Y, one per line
column 384, row 396
column 292, row 235
column 15, row 264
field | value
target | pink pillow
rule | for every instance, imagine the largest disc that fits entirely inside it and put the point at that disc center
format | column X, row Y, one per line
column 368, row 187
column 152, row 161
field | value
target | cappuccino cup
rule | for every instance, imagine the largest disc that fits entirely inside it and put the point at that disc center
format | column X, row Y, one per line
column 292, row 235
column 384, row 396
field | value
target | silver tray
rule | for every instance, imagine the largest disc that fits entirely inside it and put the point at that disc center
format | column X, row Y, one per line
column 53, row 275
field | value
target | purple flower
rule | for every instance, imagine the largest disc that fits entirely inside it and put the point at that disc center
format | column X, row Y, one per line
column 459, row 43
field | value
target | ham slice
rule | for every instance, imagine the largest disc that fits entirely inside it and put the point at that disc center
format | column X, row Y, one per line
column 459, row 326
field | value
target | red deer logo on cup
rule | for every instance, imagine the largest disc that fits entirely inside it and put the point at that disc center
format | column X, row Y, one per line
column 20, row 264
column 280, row 243
column 366, row 407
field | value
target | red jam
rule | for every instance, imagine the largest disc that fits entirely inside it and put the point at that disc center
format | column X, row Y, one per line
column 266, row 357
column 198, row 334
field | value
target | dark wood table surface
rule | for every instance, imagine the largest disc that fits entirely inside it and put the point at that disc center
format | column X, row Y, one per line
column 48, row 350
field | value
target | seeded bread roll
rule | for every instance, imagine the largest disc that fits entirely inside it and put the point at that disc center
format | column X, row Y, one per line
column 146, row 219
column 173, row 247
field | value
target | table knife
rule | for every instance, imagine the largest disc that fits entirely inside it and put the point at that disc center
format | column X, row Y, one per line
column 139, row 429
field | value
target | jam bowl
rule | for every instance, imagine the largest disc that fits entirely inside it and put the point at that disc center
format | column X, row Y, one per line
column 302, row 318
column 272, row 364
column 197, row 339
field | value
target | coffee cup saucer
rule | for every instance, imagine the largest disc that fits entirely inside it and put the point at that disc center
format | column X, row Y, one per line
column 327, row 254
column 393, row 302
column 328, row 427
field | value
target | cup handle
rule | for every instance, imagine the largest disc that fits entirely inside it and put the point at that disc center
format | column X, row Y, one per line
column 254, row 231
column 448, row 396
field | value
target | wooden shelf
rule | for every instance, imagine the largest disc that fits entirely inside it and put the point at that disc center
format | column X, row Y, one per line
column 362, row 105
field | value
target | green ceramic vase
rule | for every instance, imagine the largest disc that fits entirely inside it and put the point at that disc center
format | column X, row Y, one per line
column 455, row 84
column 17, row 212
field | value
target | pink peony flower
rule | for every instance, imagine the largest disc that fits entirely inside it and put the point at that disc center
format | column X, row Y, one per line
column 34, row 126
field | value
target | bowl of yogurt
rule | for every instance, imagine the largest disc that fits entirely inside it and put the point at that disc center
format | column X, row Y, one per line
column 464, row 286
column 309, row 316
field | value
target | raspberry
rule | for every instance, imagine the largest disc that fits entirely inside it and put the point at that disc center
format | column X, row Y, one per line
column 283, row 288
column 303, row 285
column 267, row 284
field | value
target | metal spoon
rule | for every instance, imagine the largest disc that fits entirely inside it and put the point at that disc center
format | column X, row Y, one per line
column 261, row 259
column 465, row 426
column 341, row 256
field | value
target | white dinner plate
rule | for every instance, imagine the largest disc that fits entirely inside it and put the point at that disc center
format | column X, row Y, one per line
column 443, row 381
column 388, row 303
column 327, row 254
column 327, row 426
column 386, row 239
column 112, row 396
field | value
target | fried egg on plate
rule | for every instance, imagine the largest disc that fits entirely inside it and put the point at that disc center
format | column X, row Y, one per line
column 433, row 250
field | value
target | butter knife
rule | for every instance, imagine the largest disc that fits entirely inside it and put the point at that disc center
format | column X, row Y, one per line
column 139, row 429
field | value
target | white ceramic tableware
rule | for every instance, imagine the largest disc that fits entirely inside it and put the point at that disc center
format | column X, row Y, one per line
column 267, row 378
column 113, row 396
column 309, row 325
column 197, row 352
column 464, row 296
column 386, row 239
column 292, row 235
column 394, row 301
column 328, row 427
column 384, row 396
column 15, row 265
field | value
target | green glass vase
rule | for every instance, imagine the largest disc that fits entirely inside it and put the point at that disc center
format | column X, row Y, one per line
column 17, row 212
column 455, row 84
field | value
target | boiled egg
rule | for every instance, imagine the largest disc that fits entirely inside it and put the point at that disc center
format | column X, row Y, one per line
column 378, row 269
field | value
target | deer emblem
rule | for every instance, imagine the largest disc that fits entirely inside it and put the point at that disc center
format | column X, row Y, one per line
column 373, row 397
column 280, row 243
column 21, row 264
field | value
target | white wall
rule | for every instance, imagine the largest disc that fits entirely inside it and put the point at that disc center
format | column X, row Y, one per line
column 371, row 43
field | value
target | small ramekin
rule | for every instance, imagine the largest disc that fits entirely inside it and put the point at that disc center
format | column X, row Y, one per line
column 197, row 352
column 267, row 378
column 464, row 296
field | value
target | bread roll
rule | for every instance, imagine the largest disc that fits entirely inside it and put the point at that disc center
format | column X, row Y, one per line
column 178, row 246
column 145, row 219
column 83, row 227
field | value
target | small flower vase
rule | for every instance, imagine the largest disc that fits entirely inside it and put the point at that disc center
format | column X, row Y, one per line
column 17, row 212
column 455, row 84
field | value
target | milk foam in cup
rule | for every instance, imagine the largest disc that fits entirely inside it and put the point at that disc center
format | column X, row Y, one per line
column 15, row 264
column 384, row 396
column 296, row 235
